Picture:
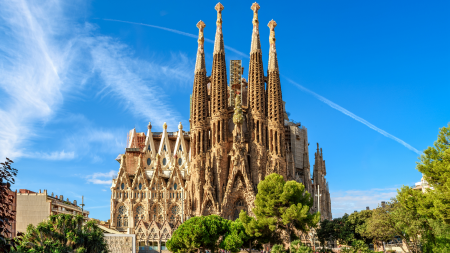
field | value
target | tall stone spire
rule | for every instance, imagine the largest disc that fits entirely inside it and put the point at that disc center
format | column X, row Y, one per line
column 257, row 98
column 199, row 93
column 257, row 103
column 275, row 108
column 275, row 105
column 219, row 72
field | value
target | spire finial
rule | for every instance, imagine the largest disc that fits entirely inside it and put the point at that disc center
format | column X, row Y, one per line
column 219, row 8
column 255, row 7
column 201, row 39
column 149, row 125
column 200, row 61
column 165, row 126
column 272, row 24
column 273, row 61
column 218, row 43
column 180, row 126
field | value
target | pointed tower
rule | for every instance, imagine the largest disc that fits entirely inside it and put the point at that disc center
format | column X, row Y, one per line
column 257, row 104
column 219, row 84
column 199, row 119
column 275, row 109
column 199, row 99
column 219, row 110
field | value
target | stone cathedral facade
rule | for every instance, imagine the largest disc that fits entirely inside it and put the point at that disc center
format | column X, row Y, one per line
column 239, row 133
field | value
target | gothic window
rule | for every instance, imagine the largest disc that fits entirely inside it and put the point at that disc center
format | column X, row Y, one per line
column 139, row 214
column 149, row 161
column 164, row 160
column 174, row 213
column 149, row 148
column 175, row 186
column 122, row 186
column 140, row 186
column 239, row 205
column 160, row 213
column 154, row 213
column 180, row 161
column 122, row 217
column 164, row 148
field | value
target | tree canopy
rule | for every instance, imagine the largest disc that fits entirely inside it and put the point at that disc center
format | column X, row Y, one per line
column 281, row 206
column 7, row 174
column 63, row 233
column 435, row 167
column 200, row 233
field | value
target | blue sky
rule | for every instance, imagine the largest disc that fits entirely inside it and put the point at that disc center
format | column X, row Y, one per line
column 370, row 81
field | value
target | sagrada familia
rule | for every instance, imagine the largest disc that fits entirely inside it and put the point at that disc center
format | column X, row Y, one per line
column 239, row 133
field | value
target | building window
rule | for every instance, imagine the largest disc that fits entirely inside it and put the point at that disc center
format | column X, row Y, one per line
column 140, row 186
column 180, row 161
column 149, row 161
column 164, row 160
column 149, row 148
column 139, row 214
column 181, row 149
column 164, row 148
column 122, row 218
column 122, row 186
column 175, row 186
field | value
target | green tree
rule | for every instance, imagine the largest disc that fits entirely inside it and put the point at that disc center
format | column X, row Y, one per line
column 298, row 247
column 281, row 206
column 435, row 167
column 63, row 233
column 358, row 220
column 326, row 231
column 7, row 174
column 345, row 231
column 238, row 238
column 199, row 233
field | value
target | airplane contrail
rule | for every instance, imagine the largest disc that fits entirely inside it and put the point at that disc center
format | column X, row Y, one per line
column 178, row 32
column 353, row 116
column 319, row 97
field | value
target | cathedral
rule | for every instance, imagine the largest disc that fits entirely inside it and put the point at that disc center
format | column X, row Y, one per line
column 239, row 132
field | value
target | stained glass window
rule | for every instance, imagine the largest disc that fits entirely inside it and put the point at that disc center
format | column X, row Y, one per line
column 140, row 186
column 180, row 161
column 122, row 186
column 139, row 214
column 175, row 186
column 149, row 161
column 164, row 161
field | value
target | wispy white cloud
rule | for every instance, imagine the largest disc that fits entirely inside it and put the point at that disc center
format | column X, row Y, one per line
column 57, row 155
column 354, row 200
column 101, row 178
column 355, row 117
column 179, row 32
column 46, row 56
